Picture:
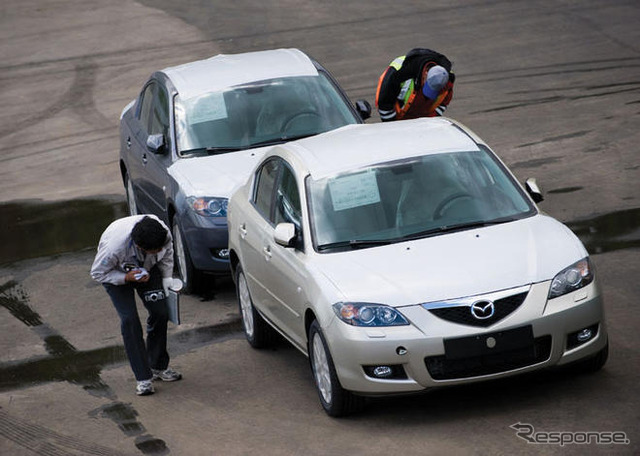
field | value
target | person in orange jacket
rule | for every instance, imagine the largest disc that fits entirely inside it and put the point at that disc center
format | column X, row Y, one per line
column 419, row 84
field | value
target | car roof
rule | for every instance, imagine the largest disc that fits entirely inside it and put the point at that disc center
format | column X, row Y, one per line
column 357, row 146
column 225, row 70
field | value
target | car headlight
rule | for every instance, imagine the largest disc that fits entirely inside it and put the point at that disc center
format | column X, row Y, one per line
column 208, row 206
column 576, row 276
column 367, row 314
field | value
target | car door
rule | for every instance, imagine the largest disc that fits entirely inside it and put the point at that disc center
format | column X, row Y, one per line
column 135, row 146
column 275, row 273
column 286, row 278
column 149, row 169
column 255, row 225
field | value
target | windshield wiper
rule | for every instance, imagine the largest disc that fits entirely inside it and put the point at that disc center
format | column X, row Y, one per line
column 355, row 244
column 456, row 227
column 281, row 139
column 214, row 150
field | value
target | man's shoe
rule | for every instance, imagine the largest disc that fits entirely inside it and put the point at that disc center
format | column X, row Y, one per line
column 167, row 375
column 144, row 388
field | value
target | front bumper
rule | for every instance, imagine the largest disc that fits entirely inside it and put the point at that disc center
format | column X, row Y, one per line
column 206, row 239
column 419, row 360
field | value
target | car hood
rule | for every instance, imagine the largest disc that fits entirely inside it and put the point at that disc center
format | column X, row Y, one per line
column 215, row 175
column 454, row 265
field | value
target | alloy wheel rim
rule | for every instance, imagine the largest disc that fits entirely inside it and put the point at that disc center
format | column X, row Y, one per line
column 245, row 306
column 180, row 254
column 321, row 368
column 131, row 201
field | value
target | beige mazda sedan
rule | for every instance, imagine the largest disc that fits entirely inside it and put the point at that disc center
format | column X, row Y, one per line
column 404, row 256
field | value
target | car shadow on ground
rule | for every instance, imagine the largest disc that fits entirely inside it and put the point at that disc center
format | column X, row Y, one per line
column 524, row 392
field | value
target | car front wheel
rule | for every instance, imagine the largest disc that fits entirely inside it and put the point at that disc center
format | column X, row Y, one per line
column 335, row 400
column 131, row 196
column 257, row 331
column 189, row 275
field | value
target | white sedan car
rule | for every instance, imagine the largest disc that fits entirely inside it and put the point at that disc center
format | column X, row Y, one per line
column 405, row 256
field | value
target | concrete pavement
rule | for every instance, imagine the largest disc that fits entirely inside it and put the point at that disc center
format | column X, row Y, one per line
column 553, row 86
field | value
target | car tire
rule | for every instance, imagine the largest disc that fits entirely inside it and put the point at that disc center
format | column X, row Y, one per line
column 131, row 196
column 335, row 400
column 592, row 364
column 189, row 275
column 257, row 331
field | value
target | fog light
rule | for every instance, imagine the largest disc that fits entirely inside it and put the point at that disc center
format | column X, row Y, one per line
column 388, row 372
column 223, row 254
column 584, row 335
column 382, row 371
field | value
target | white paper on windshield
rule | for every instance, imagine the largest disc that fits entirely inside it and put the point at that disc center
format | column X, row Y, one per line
column 354, row 190
column 208, row 108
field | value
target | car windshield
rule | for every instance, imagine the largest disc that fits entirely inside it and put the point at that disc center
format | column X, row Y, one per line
column 260, row 113
column 413, row 198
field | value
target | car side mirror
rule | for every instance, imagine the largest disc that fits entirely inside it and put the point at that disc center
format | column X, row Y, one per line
column 364, row 109
column 533, row 190
column 285, row 234
column 156, row 144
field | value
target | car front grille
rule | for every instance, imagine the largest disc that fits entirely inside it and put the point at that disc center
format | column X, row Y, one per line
column 441, row 368
column 462, row 314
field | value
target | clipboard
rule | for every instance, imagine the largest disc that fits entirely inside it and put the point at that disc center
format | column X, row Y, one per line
column 173, row 306
column 173, row 301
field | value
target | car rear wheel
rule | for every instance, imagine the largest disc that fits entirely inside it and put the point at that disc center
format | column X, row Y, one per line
column 131, row 196
column 335, row 400
column 257, row 331
column 189, row 275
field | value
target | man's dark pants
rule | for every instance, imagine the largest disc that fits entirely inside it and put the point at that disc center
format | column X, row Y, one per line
column 154, row 355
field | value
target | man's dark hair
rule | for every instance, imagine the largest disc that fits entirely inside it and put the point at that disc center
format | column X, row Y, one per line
column 149, row 234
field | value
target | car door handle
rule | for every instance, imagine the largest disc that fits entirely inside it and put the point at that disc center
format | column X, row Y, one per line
column 128, row 142
column 267, row 252
column 144, row 159
column 242, row 229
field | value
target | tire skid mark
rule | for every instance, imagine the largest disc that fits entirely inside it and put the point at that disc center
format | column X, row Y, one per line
column 78, row 99
column 536, row 162
column 605, row 62
column 533, row 74
column 576, row 134
column 573, row 15
column 554, row 99
column 578, row 87
column 100, row 55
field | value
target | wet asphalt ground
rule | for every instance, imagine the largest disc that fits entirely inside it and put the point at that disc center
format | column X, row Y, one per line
column 552, row 86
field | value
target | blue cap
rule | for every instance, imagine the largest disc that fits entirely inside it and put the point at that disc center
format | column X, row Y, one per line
column 437, row 78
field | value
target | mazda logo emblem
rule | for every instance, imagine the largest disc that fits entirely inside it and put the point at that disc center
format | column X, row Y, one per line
column 482, row 310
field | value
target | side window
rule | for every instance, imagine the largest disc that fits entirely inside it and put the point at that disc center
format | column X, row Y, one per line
column 160, row 113
column 263, row 194
column 147, row 105
column 288, row 199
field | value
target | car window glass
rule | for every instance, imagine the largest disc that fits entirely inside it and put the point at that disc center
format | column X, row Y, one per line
column 160, row 113
column 266, row 180
column 147, row 105
column 252, row 114
column 424, row 194
column 287, row 199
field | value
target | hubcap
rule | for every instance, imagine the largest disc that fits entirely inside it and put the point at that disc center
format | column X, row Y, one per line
column 321, row 368
column 245, row 305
